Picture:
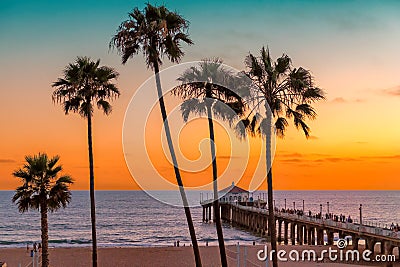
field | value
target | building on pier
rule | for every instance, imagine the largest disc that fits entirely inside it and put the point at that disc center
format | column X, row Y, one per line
column 234, row 194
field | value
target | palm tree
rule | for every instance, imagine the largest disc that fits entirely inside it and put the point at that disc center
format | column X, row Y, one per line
column 44, row 190
column 158, row 32
column 84, row 85
column 285, row 93
column 205, row 92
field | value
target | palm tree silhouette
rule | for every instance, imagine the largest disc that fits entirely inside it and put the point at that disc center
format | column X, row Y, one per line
column 285, row 93
column 204, row 93
column 44, row 190
column 84, row 85
column 158, row 32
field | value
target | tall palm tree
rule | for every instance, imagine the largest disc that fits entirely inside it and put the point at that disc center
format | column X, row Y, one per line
column 285, row 93
column 84, row 85
column 43, row 189
column 158, row 32
column 205, row 92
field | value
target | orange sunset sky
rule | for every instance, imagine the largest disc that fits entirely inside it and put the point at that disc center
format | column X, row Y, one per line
column 351, row 48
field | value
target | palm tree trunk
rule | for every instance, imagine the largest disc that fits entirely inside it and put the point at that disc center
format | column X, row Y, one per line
column 271, row 215
column 271, row 219
column 92, row 200
column 217, row 216
column 45, row 233
column 176, row 168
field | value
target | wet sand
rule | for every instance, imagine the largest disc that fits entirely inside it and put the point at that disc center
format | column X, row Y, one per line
column 159, row 256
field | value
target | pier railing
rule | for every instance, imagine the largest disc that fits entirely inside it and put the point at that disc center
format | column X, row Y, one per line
column 355, row 227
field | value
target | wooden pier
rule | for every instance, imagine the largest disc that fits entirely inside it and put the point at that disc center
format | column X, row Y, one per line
column 302, row 229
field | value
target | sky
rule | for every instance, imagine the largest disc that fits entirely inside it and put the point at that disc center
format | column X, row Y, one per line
column 351, row 48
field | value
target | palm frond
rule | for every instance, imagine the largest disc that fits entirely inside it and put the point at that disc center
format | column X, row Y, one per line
column 192, row 105
column 241, row 128
column 224, row 111
column 280, row 126
column 306, row 110
column 40, row 183
column 313, row 94
column 85, row 83
column 104, row 106
column 207, row 82
column 155, row 31
column 265, row 127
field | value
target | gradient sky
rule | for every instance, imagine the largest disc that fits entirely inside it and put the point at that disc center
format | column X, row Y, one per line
column 351, row 47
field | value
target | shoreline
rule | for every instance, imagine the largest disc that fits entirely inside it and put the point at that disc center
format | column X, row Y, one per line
column 164, row 256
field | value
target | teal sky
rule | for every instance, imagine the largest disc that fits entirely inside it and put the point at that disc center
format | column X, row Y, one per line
column 63, row 29
column 358, row 32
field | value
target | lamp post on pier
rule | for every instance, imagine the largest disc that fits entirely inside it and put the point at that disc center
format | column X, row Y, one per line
column 320, row 210
column 327, row 203
column 360, row 214
column 294, row 205
column 285, row 203
column 303, row 205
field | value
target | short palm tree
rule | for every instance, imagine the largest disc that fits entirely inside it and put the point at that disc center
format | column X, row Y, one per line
column 205, row 91
column 158, row 32
column 85, row 85
column 42, row 189
column 284, row 93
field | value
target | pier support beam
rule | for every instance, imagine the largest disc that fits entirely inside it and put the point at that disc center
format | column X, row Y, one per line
column 306, row 231
column 354, row 241
column 285, row 237
column 320, row 236
column 313, row 236
column 330, row 237
column 341, row 234
column 398, row 252
column 292, row 233
column 279, row 230
column 388, row 251
column 300, row 235
column 265, row 225
column 370, row 242
column 309, row 235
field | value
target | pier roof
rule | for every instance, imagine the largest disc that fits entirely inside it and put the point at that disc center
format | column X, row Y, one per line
column 233, row 189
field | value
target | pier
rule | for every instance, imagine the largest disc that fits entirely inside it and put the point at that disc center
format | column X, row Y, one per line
column 302, row 229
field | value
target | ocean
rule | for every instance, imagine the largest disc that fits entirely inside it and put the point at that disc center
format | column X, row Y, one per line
column 132, row 218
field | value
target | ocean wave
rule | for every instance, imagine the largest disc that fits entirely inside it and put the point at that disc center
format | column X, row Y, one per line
column 70, row 241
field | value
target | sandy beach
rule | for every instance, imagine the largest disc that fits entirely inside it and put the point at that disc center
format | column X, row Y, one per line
column 158, row 256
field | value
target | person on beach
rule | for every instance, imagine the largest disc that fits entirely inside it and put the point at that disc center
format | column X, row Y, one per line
column 34, row 247
column 40, row 247
column 27, row 247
